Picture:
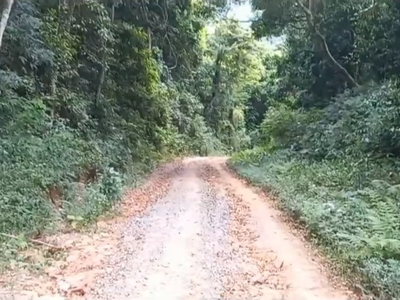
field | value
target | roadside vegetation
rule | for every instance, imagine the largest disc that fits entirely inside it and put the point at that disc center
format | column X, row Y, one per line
column 94, row 94
column 326, row 141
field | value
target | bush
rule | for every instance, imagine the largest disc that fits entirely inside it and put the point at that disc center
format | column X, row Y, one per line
column 351, row 125
column 44, row 167
column 284, row 127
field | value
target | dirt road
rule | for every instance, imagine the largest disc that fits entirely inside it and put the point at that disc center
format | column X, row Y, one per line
column 207, row 235
column 211, row 237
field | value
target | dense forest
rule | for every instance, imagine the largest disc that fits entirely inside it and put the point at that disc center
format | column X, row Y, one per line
column 95, row 93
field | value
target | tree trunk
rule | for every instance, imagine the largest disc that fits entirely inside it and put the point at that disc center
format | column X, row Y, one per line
column 103, row 65
column 215, row 83
column 149, row 35
column 217, row 75
column 5, row 14
column 101, row 82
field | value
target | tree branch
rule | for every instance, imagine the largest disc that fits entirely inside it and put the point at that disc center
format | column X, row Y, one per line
column 32, row 241
column 327, row 53
column 365, row 10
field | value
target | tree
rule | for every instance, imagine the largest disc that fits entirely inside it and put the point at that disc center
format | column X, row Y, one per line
column 91, row 91
column 234, row 66
column 5, row 8
column 308, row 14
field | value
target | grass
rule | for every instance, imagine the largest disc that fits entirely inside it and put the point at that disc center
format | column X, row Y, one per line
column 349, row 207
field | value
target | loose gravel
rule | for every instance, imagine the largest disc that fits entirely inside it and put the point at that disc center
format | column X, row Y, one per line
column 179, row 249
column 193, row 232
column 211, row 238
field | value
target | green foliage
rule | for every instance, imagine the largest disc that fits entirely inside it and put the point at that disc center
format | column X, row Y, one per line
column 233, row 64
column 342, row 165
column 282, row 126
column 331, row 153
column 352, row 125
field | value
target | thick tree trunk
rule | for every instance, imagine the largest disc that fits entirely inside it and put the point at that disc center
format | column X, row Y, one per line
column 215, row 83
column 5, row 14
column 217, row 75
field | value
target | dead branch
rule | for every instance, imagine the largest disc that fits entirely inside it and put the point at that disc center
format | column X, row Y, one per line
column 32, row 241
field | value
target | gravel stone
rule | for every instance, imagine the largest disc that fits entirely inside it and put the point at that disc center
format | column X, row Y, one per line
column 178, row 249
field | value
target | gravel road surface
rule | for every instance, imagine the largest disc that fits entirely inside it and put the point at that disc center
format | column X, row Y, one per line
column 179, row 249
column 212, row 237
column 192, row 231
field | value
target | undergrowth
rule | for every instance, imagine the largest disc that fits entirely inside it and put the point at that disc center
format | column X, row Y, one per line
column 47, row 186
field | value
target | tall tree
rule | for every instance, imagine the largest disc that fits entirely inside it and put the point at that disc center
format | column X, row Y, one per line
column 307, row 15
column 5, row 8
